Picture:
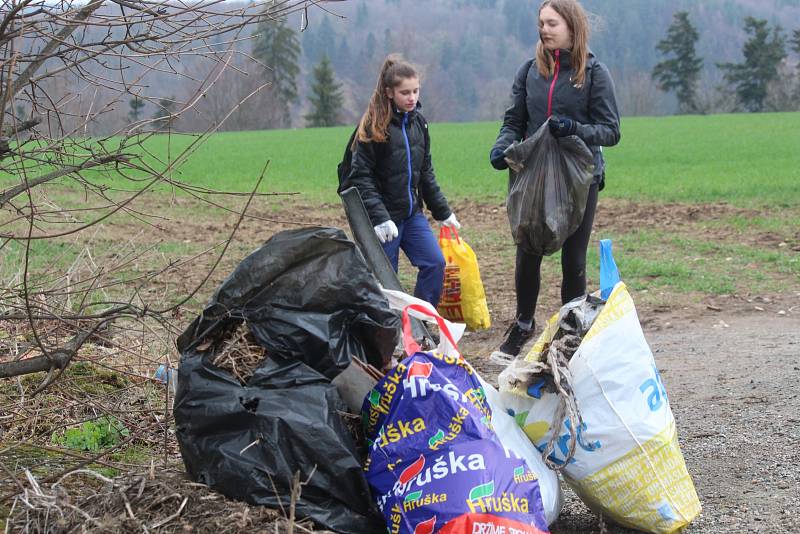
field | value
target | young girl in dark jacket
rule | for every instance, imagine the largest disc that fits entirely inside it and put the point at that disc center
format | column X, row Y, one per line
column 566, row 86
column 392, row 170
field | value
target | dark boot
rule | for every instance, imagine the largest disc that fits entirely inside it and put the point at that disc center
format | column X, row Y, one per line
column 515, row 339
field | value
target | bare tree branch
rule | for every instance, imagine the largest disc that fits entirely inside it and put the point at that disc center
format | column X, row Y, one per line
column 30, row 184
column 21, row 127
column 57, row 40
column 70, row 68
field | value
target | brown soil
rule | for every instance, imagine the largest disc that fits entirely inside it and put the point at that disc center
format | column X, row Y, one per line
column 486, row 229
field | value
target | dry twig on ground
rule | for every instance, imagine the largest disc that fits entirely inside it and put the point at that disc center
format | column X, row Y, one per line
column 163, row 501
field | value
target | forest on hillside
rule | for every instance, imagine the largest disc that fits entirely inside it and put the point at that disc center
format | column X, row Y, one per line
column 470, row 49
column 467, row 51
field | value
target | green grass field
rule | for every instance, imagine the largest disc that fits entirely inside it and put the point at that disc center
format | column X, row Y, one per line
column 744, row 159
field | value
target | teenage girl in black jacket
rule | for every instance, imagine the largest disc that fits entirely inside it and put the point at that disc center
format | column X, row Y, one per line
column 392, row 170
column 566, row 86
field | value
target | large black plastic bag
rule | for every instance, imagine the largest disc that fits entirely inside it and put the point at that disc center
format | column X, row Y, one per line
column 291, row 413
column 309, row 298
column 550, row 180
column 306, row 294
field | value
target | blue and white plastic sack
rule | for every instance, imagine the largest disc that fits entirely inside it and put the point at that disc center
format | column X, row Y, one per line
column 627, row 464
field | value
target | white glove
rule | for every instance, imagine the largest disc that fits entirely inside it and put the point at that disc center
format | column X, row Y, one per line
column 386, row 231
column 451, row 222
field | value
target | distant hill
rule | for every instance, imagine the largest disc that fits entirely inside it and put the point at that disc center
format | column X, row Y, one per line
column 467, row 50
column 470, row 49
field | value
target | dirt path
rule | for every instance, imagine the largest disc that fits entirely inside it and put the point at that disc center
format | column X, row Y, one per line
column 734, row 395
column 733, row 390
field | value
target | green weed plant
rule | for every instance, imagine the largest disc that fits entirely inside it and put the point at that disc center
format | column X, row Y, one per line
column 94, row 436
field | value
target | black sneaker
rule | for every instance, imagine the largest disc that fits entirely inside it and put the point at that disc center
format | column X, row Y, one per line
column 515, row 339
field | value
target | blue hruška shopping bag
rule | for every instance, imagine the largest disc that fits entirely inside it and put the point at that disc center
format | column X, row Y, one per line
column 625, row 461
column 437, row 462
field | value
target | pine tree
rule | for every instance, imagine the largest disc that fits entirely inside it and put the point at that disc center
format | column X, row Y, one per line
column 362, row 15
column 341, row 59
column 317, row 41
column 163, row 116
column 326, row 96
column 762, row 57
column 795, row 42
column 278, row 48
column 388, row 41
column 136, row 106
column 447, row 55
column 370, row 46
column 680, row 73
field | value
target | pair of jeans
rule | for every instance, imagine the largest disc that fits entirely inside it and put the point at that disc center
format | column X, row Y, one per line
column 573, row 265
column 416, row 239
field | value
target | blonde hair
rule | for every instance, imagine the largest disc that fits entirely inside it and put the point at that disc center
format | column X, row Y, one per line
column 374, row 124
column 578, row 24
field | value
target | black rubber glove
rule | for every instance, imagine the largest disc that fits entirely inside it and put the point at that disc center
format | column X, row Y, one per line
column 498, row 159
column 562, row 127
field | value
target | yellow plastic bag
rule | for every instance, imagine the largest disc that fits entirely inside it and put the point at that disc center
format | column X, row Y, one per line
column 463, row 299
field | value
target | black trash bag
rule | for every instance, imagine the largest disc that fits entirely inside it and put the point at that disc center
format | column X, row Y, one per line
column 549, row 184
column 306, row 294
column 248, row 441
column 308, row 297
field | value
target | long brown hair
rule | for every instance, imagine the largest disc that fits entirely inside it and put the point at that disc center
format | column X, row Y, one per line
column 374, row 124
column 578, row 24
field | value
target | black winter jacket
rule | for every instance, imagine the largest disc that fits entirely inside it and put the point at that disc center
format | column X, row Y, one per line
column 593, row 106
column 396, row 176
